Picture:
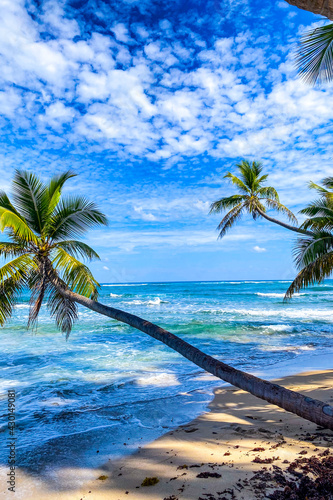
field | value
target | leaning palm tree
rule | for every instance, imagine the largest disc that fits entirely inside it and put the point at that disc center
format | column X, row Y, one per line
column 39, row 223
column 314, row 254
column 253, row 198
column 314, row 57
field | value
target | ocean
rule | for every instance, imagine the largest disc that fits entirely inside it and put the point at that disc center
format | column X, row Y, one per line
column 110, row 388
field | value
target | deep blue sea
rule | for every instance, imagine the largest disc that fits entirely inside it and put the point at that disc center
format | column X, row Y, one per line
column 79, row 401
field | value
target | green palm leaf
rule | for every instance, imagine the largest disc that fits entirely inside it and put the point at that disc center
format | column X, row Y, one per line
column 228, row 202
column 76, row 275
column 255, row 198
column 230, row 219
column 282, row 209
column 313, row 273
column 314, row 59
column 237, row 182
column 20, row 229
column 63, row 310
column 78, row 249
column 73, row 217
column 10, row 290
column 45, row 257
column 19, row 267
column 9, row 249
column 31, row 199
column 268, row 192
column 308, row 250
column 54, row 189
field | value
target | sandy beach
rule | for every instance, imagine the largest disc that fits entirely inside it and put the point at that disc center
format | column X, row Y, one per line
column 236, row 450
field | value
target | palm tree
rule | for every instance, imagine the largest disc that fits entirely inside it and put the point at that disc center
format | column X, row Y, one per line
column 253, row 198
column 321, row 7
column 38, row 223
column 314, row 58
column 314, row 254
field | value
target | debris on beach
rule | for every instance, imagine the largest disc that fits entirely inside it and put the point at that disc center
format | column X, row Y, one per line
column 150, row 481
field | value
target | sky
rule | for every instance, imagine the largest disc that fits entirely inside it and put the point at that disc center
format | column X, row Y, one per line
column 151, row 103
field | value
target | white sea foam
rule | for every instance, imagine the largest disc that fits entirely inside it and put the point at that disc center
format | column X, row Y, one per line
column 279, row 328
column 277, row 295
column 151, row 302
column 160, row 380
column 270, row 294
column 22, row 306
column 305, row 314
column 128, row 284
column 221, row 283
column 114, row 295
column 287, row 348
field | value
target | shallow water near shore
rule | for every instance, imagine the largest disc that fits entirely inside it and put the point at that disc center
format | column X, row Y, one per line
column 109, row 388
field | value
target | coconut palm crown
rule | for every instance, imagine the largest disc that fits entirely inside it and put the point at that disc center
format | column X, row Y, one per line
column 41, row 227
column 254, row 198
column 314, row 57
column 314, row 253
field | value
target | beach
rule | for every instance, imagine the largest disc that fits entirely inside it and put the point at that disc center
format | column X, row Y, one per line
column 225, row 453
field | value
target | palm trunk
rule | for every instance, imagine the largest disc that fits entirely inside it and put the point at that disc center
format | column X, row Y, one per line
column 308, row 408
column 322, row 7
column 283, row 224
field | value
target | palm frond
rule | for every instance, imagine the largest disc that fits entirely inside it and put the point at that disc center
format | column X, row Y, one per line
column 237, row 182
column 321, row 191
column 281, row 208
column 225, row 203
column 63, row 310
column 250, row 173
column 73, row 217
column 328, row 182
column 268, row 192
column 19, row 267
column 9, row 249
column 31, row 199
column 10, row 289
column 5, row 203
column 309, row 249
column 314, row 58
column 77, row 249
column 313, row 273
column 230, row 219
column 320, row 213
column 253, row 206
column 76, row 275
column 54, row 188
column 318, row 224
column 20, row 229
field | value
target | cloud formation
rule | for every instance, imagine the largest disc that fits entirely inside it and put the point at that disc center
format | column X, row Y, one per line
column 151, row 103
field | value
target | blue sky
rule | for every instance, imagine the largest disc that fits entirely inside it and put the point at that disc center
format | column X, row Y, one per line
column 151, row 103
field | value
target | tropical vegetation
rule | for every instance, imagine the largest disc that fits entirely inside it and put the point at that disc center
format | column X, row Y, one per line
column 39, row 222
column 314, row 253
column 253, row 197
column 313, row 249
column 314, row 57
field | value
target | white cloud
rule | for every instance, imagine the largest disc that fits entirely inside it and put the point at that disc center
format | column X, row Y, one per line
column 143, row 215
column 121, row 32
column 155, row 106
column 258, row 249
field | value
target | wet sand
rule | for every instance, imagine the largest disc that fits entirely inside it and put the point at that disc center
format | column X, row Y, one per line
column 220, row 455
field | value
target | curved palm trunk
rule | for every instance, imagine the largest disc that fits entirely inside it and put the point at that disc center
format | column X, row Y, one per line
column 308, row 408
column 322, row 7
column 283, row 224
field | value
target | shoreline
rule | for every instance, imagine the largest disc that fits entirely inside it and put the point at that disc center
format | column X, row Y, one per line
column 220, row 442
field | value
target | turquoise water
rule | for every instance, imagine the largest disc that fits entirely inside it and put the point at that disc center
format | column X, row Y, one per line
column 79, row 401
